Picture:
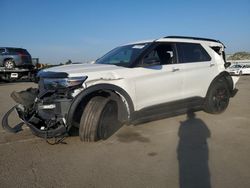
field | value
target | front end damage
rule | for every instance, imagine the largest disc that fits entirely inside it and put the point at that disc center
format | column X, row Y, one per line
column 44, row 109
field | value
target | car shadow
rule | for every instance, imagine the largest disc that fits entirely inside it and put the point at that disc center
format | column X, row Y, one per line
column 193, row 153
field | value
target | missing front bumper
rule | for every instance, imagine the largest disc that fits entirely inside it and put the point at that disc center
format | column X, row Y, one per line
column 55, row 129
column 45, row 117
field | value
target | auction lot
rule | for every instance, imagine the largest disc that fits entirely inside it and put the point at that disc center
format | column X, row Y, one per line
column 202, row 151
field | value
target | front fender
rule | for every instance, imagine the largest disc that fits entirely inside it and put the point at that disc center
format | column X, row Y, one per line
column 124, row 103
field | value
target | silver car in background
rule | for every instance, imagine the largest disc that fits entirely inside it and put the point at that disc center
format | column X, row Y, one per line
column 11, row 58
column 239, row 69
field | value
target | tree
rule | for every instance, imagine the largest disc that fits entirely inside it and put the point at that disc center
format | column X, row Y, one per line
column 68, row 62
column 240, row 56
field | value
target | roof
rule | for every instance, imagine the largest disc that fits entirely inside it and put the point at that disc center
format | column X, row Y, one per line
column 193, row 38
column 12, row 48
column 210, row 42
column 140, row 42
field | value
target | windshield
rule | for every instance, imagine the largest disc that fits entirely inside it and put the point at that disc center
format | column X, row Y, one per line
column 123, row 55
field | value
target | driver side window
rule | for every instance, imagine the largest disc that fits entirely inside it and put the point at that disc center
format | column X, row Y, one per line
column 162, row 54
column 151, row 59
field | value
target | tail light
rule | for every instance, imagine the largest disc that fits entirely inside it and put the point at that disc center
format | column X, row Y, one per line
column 22, row 54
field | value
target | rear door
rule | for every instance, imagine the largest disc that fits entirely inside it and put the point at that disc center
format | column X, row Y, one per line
column 199, row 69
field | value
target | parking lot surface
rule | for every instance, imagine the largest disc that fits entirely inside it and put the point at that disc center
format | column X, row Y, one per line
column 198, row 150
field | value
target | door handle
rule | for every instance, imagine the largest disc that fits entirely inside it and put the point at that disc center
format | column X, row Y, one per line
column 212, row 64
column 175, row 69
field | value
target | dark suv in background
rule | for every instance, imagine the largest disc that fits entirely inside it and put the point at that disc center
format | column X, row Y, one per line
column 11, row 58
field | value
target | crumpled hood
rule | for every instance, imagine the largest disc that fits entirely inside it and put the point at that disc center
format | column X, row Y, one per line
column 93, row 71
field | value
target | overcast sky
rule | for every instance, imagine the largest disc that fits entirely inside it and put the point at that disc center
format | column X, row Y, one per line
column 58, row 30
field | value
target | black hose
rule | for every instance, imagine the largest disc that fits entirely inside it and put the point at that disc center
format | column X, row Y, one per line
column 58, row 139
column 5, row 122
column 59, row 135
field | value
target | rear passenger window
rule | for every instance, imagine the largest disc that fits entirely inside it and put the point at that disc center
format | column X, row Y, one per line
column 189, row 53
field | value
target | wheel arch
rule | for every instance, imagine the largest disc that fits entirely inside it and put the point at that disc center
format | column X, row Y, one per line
column 223, row 76
column 8, row 58
column 116, row 93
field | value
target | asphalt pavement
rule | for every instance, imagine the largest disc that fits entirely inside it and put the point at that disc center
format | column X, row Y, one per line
column 194, row 150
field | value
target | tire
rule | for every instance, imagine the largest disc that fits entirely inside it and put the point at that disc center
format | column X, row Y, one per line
column 99, row 119
column 217, row 98
column 9, row 64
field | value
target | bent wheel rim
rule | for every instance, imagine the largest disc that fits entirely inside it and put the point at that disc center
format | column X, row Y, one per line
column 220, row 99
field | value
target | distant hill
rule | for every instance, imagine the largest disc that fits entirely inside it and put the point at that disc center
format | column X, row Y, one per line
column 240, row 56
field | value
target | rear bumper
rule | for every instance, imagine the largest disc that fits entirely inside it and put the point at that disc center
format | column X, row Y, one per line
column 234, row 92
column 23, row 62
column 235, row 80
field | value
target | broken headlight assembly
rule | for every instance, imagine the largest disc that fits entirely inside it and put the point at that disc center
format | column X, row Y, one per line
column 63, row 83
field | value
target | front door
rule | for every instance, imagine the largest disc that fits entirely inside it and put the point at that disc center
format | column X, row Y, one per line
column 158, row 79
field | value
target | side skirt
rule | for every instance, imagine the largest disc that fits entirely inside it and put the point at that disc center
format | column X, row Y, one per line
column 166, row 110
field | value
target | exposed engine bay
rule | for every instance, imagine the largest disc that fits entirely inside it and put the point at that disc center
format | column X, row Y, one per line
column 44, row 110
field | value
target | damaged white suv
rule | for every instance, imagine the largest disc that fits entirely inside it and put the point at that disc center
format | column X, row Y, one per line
column 134, row 82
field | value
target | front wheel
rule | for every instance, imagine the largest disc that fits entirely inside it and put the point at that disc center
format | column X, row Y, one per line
column 217, row 98
column 99, row 119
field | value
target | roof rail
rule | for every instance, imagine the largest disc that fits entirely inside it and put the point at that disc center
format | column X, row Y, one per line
column 194, row 38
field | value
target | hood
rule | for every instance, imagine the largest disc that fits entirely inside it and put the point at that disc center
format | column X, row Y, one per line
column 93, row 71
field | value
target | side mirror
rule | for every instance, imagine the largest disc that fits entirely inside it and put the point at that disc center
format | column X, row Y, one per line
column 227, row 64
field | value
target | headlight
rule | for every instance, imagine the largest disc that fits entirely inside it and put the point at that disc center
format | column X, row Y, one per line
column 62, row 83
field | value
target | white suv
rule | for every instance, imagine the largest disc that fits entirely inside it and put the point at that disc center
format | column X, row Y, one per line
column 135, row 82
column 239, row 69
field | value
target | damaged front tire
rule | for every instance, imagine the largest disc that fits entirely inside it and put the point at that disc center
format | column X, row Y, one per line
column 99, row 119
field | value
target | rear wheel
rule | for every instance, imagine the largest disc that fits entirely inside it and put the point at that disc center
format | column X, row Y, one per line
column 99, row 119
column 9, row 64
column 217, row 98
